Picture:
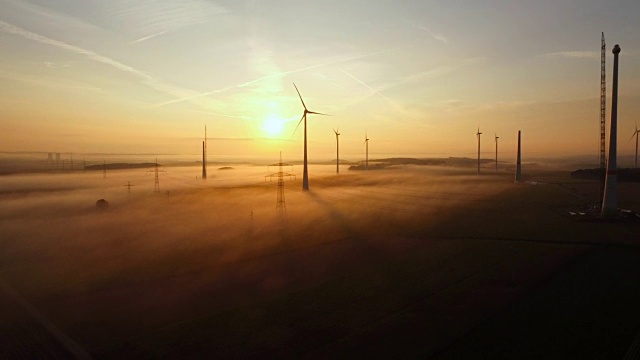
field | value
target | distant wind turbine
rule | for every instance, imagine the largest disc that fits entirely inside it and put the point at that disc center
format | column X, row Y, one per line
column 366, row 143
column 305, row 173
column 635, row 133
column 519, row 160
column 478, row 134
column 496, row 140
column 337, row 132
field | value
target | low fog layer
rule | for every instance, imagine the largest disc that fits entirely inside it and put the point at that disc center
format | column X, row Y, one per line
column 195, row 247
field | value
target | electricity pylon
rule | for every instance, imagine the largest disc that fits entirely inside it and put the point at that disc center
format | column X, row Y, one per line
column 157, row 171
column 280, row 202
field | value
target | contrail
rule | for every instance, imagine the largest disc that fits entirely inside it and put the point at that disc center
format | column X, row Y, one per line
column 247, row 83
column 147, row 79
column 147, row 37
column 434, row 35
column 370, row 88
column 12, row 29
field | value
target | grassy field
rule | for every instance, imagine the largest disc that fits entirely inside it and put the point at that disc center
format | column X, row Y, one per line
column 410, row 261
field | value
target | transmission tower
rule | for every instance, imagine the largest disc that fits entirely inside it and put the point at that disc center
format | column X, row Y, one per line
column 157, row 171
column 280, row 203
column 128, row 186
column 603, row 106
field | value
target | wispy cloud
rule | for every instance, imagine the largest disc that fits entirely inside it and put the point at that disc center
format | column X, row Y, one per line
column 573, row 54
column 54, row 83
column 42, row 14
column 159, row 16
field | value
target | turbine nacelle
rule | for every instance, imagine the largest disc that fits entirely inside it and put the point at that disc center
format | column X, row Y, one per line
column 306, row 111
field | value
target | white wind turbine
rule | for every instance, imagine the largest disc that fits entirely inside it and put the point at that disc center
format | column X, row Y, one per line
column 366, row 143
column 305, row 173
column 496, row 140
column 478, row 134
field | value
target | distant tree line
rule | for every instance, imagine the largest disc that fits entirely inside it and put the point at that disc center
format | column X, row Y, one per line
column 626, row 175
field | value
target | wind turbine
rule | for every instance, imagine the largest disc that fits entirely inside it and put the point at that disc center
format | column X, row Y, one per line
column 478, row 134
column 305, row 173
column 337, row 151
column 496, row 140
column 635, row 133
column 366, row 143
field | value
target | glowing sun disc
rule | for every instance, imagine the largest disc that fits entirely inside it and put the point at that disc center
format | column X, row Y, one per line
column 273, row 125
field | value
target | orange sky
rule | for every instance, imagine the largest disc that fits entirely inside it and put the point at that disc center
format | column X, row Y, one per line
column 418, row 77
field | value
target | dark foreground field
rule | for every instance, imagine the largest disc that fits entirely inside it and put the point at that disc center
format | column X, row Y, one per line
column 402, row 263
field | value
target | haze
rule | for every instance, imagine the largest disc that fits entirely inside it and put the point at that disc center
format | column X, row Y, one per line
column 129, row 77
column 122, row 238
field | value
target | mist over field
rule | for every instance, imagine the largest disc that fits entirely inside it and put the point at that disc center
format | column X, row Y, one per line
column 160, row 267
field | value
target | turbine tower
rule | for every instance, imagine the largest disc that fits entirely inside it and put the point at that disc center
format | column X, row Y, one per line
column 496, row 140
column 337, row 132
column 610, row 200
column 603, row 110
column 478, row 134
column 635, row 133
column 204, row 154
column 156, row 186
column 305, row 173
column 366, row 159
column 519, row 161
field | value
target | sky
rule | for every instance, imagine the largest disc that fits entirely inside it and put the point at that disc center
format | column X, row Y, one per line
column 418, row 77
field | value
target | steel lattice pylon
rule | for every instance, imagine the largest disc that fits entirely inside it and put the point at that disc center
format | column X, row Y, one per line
column 157, row 171
column 603, row 107
column 280, row 202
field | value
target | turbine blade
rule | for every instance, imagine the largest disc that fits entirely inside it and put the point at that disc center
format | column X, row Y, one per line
column 298, row 91
column 294, row 130
column 317, row 113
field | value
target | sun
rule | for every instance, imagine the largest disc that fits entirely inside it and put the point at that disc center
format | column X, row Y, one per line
column 273, row 125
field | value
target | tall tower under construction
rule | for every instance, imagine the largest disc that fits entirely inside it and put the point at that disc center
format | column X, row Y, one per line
column 603, row 108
